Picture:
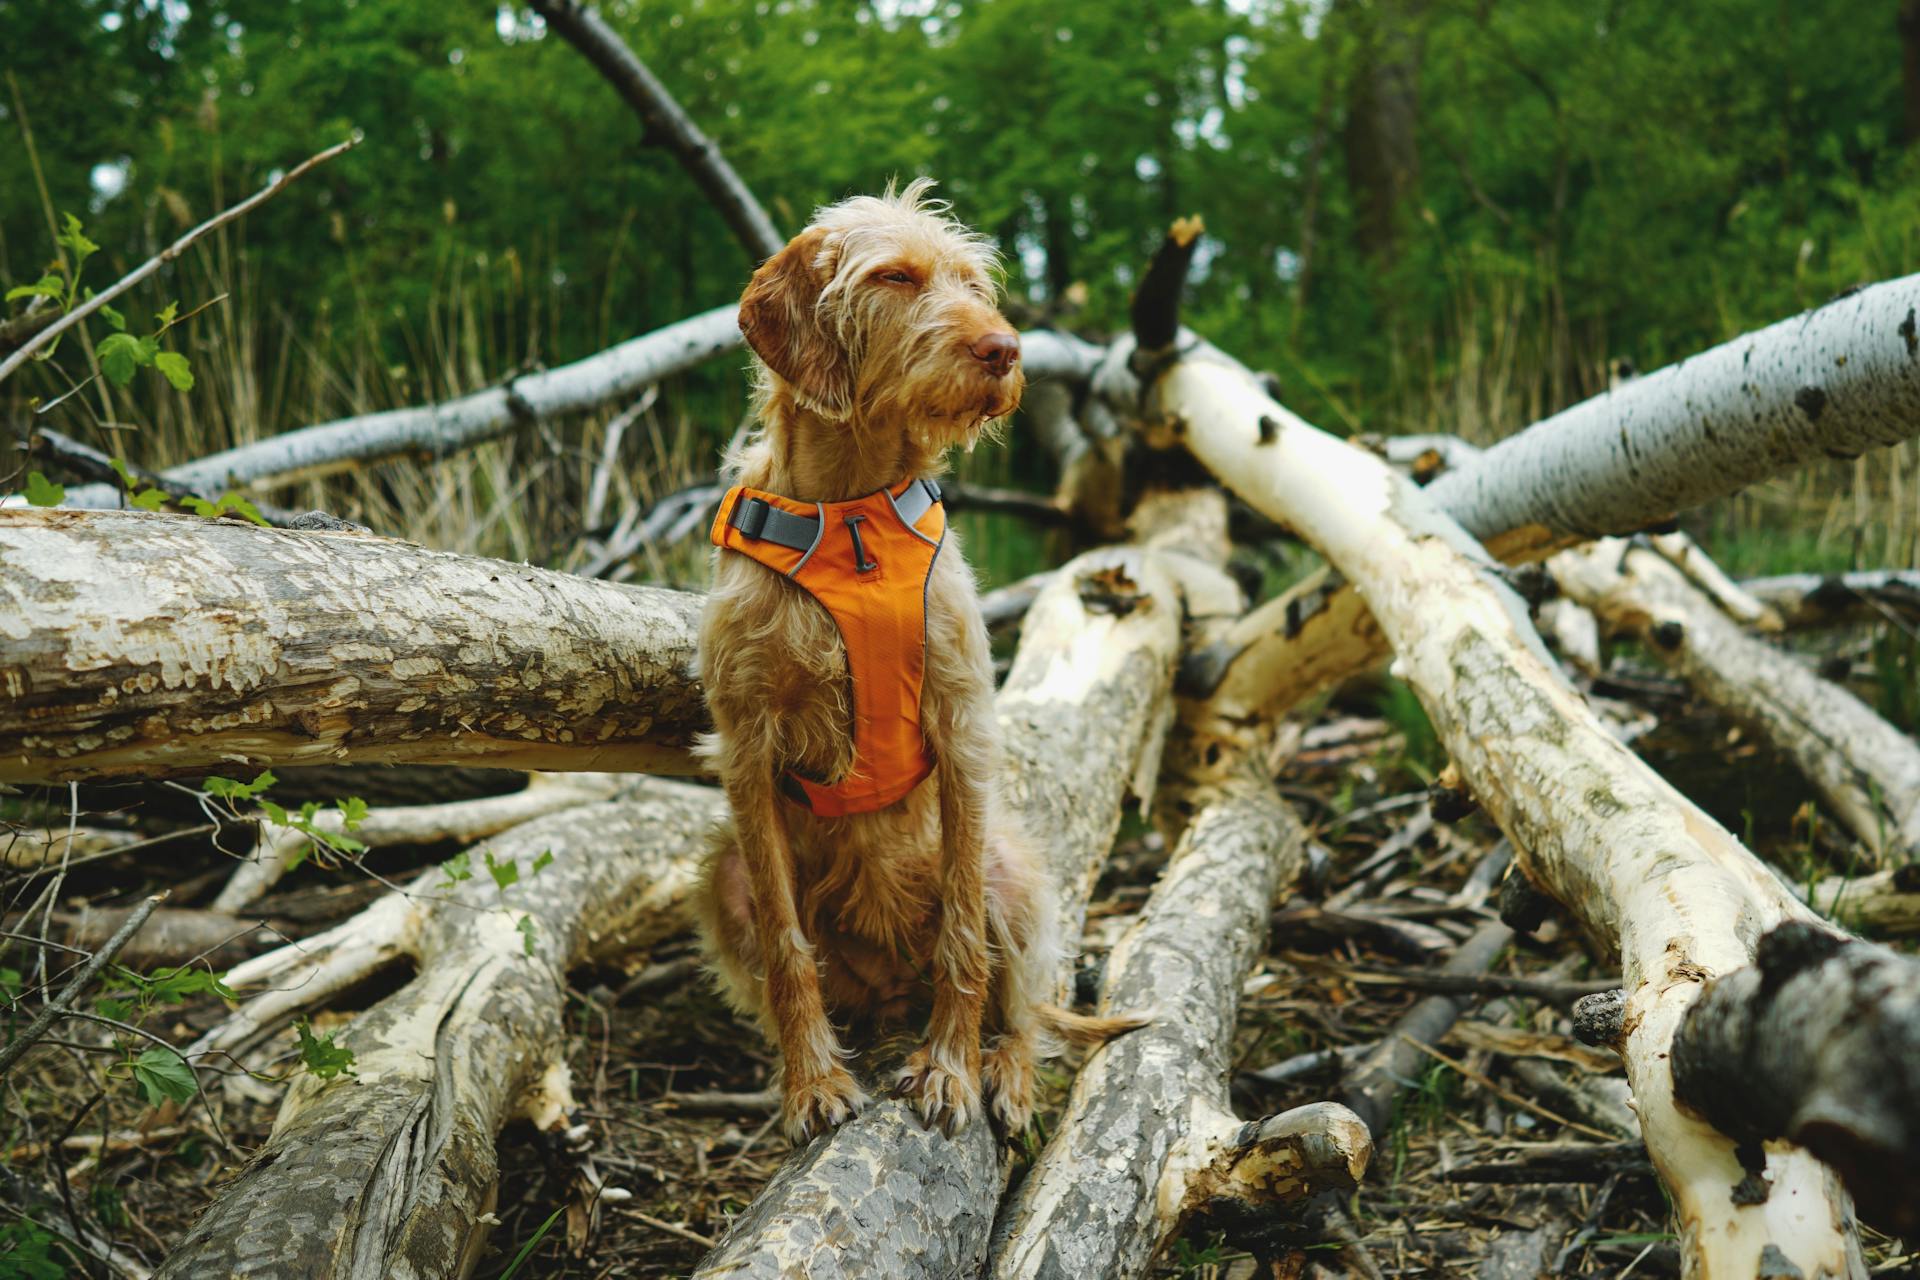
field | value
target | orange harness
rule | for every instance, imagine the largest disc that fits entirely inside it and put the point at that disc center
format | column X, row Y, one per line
column 867, row 562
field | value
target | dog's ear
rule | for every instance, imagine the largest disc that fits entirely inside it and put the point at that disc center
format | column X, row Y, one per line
column 780, row 318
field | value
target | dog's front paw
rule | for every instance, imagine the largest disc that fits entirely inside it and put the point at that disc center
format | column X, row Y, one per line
column 1007, row 1072
column 824, row 1102
column 946, row 1093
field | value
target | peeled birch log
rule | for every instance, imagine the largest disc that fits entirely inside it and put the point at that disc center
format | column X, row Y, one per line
column 1886, row 903
column 1836, row 381
column 1867, row 771
column 143, row 645
column 1149, row 1138
column 1832, row 382
column 1642, row 868
column 1734, row 600
column 1818, row 600
column 436, row 430
column 1816, row 1042
column 463, row 820
column 1082, row 715
column 391, row 1170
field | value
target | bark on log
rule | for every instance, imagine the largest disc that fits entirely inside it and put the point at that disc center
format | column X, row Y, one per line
column 1886, row 903
column 1817, row 1042
column 1734, row 600
column 1149, row 1138
column 667, row 124
column 389, row 1171
column 1818, row 600
column 1867, row 771
column 437, row 430
column 134, row 644
column 1082, row 714
column 463, row 820
column 1640, row 866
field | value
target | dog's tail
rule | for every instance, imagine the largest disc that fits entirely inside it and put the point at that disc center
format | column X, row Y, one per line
column 1085, row 1030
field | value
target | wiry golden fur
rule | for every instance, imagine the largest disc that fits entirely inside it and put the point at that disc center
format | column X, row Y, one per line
column 880, row 348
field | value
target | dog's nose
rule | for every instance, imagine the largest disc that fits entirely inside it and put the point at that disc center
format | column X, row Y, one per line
column 998, row 351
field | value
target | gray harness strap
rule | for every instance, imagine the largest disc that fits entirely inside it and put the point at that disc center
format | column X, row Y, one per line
column 760, row 520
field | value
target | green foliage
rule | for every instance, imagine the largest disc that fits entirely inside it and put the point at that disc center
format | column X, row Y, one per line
column 542, row 862
column 533, row 1242
column 229, row 789
column 164, row 1076
column 319, row 1054
column 43, row 493
column 26, row 1252
column 353, row 811
column 229, row 501
column 457, row 868
column 529, row 930
column 1421, row 755
column 505, row 874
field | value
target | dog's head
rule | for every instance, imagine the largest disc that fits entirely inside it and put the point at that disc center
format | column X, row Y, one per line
column 881, row 312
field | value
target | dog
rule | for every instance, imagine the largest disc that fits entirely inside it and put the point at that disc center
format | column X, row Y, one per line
column 869, row 867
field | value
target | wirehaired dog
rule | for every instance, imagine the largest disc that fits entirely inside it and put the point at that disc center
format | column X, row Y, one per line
column 869, row 866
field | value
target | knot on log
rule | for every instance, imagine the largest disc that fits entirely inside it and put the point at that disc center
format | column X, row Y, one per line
column 1523, row 908
column 1600, row 1020
column 1448, row 799
column 1668, row 635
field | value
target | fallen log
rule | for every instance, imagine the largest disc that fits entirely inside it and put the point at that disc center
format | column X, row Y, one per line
column 1886, row 903
column 140, row 645
column 390, row 1170
column 436, row 430
column 1734, row 600
column 1082, row 714
column 463, row 820
column 1866, row 771
column 1818, row 1043
column 1819, row 600
column 1148, row 1141
column 1838, row 380
column 1645, row 871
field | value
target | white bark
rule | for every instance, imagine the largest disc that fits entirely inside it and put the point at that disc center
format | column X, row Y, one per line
column 1814, row 600
column 1867, row 771
column 437, row 430
column 463, row 820
column 1640, row 866
column 388, row 1172
column 134, row 644
column 1082, row 715
column 1886, row 903
column 1146, row 1138
column 1834, row 382
column 1734, row 600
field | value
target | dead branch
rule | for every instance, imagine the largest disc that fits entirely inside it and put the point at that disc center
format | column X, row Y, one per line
column 33, row 343
column 145, row 645
column 56, row 1008
column 1818, row 600
column 667, row 125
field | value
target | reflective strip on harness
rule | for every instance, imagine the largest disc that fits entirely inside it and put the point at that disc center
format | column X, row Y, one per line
column 867, row 562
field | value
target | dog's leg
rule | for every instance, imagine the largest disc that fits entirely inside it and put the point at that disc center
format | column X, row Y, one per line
column 943, row 1076
column 818, row 1092
column 1024, row 929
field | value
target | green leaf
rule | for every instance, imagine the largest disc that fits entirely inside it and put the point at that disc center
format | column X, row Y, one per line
column 121, row 469
column 148, row 501
column 353, row 812
column 505, row 874
column 457, row 868
column 167, row 313
column 300, row 856
column 275, row 814
column 165, row 1076
column 199, row 506
column 174, row 366
column 231, row 501
column 529, row 930
column 75, row 239
column 112, row 1007
column 178, row 985
column 42, row 492
column 229, row 789
column 542, row 862
column 319, row 1054
column 114, row 318
column 9, row 985
column 47, row 286
column 26, row 1252
column 122, row 355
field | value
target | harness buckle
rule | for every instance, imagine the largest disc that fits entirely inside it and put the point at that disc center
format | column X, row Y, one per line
column 751, row 517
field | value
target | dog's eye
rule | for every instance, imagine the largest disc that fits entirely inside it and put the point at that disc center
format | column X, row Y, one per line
column 896, row 277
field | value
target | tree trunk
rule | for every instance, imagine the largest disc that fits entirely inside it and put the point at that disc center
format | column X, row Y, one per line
column 140, row 645
column 1867, row 771
column 1082, row 715
column 1816, row 1042
column 389, row 1171
column 1643, row 869
column 1148, row 1134
column 1383, row 117
column 435, row 431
